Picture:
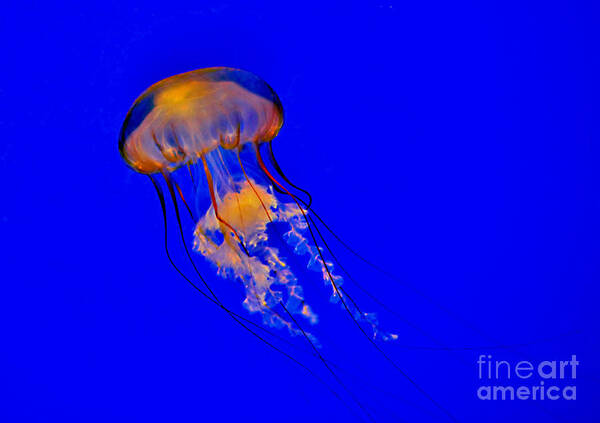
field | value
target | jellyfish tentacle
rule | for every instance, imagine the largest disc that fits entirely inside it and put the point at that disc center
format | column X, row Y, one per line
column 370, row 295
column 377, row 347
column 392, row 276
column 232, row 183
column 335, row 375
column 215, row 207
column 351, row 374
column 191, row 174
column 280, row 172
column 174, row 199
column 236, row 317
column 214, row 299
column 335, row 259
column 252, row 186
column 356, row 376
column 183, row 199
column 180, row 150
column 335, row 235
column 441, row 345
column 373, row 297
column 308, row 207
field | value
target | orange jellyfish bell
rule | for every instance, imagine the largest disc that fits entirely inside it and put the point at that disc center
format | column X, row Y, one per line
column 180, row 118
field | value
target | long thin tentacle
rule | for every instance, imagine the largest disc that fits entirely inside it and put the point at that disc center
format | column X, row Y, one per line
column 366, row 292
column 377, row 347
column 183, row 199
column 441, row 346
column 187, row 251
column 280, row 172
column 336, row 377
column 237, row 318
column 392, row 276
column 354, row 252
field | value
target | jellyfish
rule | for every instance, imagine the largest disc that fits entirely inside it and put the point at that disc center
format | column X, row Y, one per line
column 216, row 120
column 208, row 133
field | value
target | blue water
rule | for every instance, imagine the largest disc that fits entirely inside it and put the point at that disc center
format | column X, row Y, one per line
column 452, row 143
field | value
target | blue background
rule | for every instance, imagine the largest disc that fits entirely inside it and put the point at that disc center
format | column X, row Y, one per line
column 453, row 143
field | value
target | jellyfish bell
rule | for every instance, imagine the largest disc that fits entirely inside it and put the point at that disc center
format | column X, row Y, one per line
column 181, row 118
